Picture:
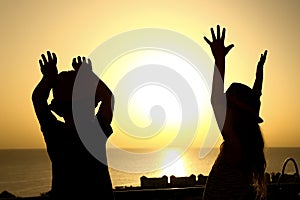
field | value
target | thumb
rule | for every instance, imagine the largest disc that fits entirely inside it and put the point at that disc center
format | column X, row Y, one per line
column 228, row 48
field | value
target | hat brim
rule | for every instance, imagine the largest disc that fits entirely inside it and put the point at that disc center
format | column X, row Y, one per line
column 260, row 120
column 233, row 100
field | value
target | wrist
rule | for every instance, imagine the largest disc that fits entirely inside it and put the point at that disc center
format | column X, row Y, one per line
column 220, row 65
column 219, row 58
column 50, row 78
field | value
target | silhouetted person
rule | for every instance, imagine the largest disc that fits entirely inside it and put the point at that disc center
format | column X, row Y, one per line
column 239, row 170
column 75, row 172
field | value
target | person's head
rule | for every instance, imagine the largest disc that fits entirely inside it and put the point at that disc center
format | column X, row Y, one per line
column 62, row 91
column 243, row 108
column 63, row 97
column 243, row 103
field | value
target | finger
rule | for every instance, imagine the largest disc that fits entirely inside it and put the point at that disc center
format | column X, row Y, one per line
column 89, row 62
column 84, row 60
column 74, row 61
column 41, row 63
column 228, row 48
column 218, row 32
column 213, row 34
column 75, row 64
column 265, row 53
column 54, row 57
column 207, row 40
column 49, row 55
column 44, row 58
column 79, row 59
column 223, row 34
column 262, row 59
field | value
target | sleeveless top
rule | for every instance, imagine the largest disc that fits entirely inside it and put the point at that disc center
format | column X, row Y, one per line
column 228, row 182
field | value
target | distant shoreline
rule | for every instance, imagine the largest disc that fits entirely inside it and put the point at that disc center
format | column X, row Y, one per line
column 184, row 193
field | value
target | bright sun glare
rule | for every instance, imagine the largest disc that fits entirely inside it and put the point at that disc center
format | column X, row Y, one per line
column 144, row 97
column 176, row 168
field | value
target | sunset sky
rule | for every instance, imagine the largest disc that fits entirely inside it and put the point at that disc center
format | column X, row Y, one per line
column 71, row 28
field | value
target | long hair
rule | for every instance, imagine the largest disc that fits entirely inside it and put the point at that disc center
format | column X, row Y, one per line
column 254, row 158
column 245, row 112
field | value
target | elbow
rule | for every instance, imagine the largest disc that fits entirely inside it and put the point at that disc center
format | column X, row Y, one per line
column 112, row 100
column 34, row 97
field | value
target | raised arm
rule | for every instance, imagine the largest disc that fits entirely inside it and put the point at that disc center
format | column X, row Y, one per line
column 257, row 86
column 219, row 52
column 103, row 95
column 41, row 92
column 105, row 112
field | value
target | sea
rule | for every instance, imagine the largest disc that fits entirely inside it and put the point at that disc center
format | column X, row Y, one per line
column 27, row 172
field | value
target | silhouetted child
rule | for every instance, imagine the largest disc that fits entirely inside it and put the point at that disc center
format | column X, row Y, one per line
column 239, row 170
column 75, row 172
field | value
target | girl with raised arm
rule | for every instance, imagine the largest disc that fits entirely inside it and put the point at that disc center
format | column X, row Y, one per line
column 238, row 172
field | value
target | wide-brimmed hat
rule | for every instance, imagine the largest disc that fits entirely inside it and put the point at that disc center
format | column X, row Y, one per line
column 243, row 97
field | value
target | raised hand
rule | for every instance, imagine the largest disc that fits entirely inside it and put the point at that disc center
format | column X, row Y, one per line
column 82, row 62
column 48, row 67
column 217, row 46
column 262, row 59
column 257, row 86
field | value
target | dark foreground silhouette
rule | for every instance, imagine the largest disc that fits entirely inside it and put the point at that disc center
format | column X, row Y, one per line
column 281, row 186
column 75, row 172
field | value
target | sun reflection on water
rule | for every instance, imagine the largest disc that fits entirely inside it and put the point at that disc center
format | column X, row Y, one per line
column 172, row 166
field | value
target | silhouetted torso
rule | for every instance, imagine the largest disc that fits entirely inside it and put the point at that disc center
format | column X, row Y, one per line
column 75, row 171
column 228, row 181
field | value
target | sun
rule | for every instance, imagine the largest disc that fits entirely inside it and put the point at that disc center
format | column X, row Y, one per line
column 149, row 102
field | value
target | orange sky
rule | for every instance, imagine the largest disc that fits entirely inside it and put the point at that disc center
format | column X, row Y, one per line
column 29, row 28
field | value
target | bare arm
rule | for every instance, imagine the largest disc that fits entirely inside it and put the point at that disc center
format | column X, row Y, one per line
column 39, row 99
column 219, row 52
column 103, row 95
column 105, row 112
column 107, row 101
column 42, row 90
column 257, row 86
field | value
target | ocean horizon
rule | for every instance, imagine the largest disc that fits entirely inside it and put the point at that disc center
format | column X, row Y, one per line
column 27, row 172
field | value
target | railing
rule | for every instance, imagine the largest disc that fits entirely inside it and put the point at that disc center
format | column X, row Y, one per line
column 287, row 186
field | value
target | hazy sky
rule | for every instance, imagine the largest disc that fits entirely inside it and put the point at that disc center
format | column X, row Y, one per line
column 71, row 28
